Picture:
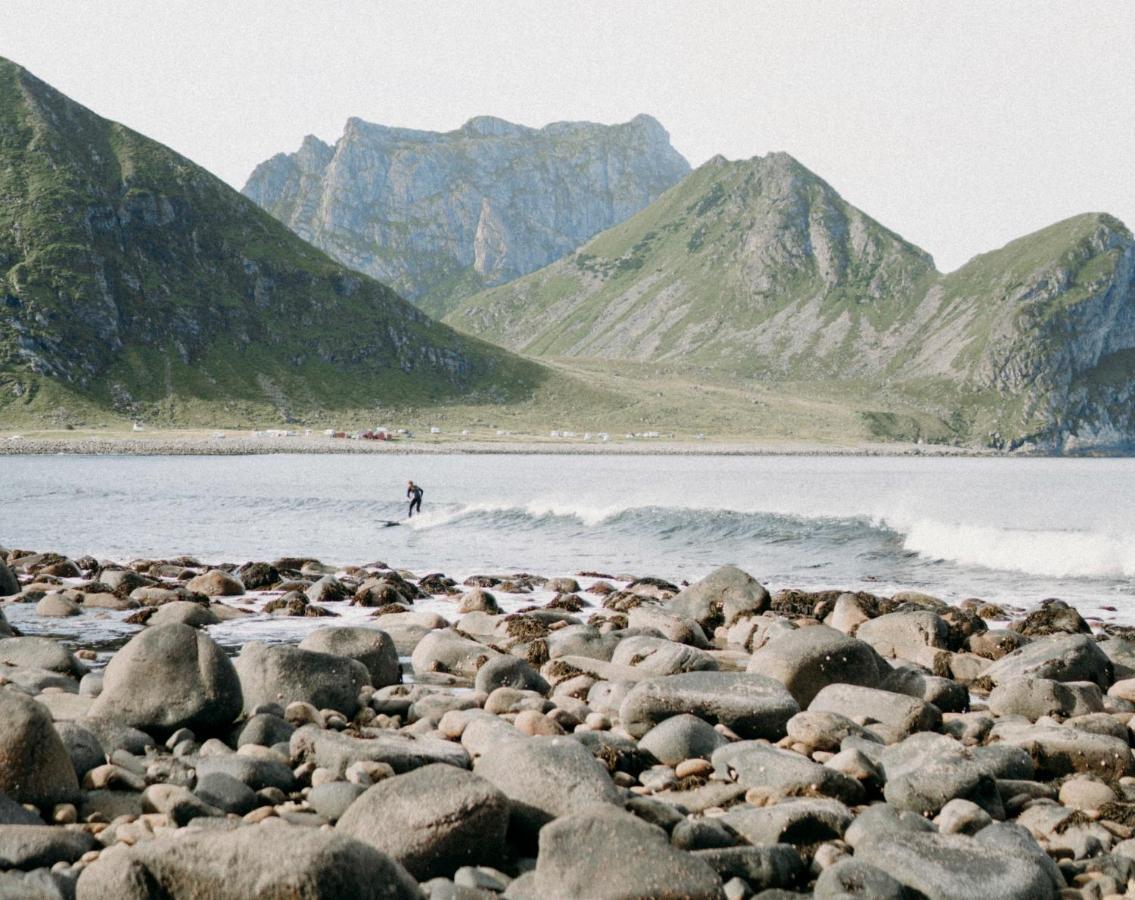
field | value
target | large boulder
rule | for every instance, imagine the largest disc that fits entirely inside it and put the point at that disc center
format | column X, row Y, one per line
column 170, row 677
column 432, row 820
column 271, row 673
column 34, row 765
column 719, row 598
column 185, row 612
column 752, row 705
column 616, row 856
column 1036, row 697
column 809, row 659
column 269, row 861
column 907, row 714
column 1063, row 750
column 370, row 646
column 956, row 867
column 1072, row 657
column 927, row 771
column 545, row 778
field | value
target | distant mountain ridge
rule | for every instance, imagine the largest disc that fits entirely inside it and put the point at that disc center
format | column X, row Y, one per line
column 132, row 279
column 438, row 216
column 760, row 268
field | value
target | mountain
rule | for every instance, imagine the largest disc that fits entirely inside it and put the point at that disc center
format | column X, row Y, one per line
column 439, row 216
column 132, row 279
column 760, row 269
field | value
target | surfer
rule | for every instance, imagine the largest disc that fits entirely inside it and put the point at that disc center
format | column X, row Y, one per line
column 414, row 493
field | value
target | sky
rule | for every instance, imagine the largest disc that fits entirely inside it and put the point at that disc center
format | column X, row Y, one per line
column 961, row 125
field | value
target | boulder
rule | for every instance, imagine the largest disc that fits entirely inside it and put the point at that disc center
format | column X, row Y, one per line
column 721, row 597
column 333, row 798
column 1036, row 697
column 774, row 774
column 432, row 820
column 545, row 778
column 271, row 860
column 905, row 634
column 34, row 765
column 1073, row 657
column 798, row 822
column 264, row 729
column 944, row 693
column 824, row 730
column 257, row 576
column 680, row 629
column 226, row 793
column 447, row 651
column 184, row 612
column 38, row 846
column 809, row 659
column 681, row 737
column 927, row 771
column 617, row 856
column 955, row 867
column 255, row 772
column 56, row 606
column 855, row 878
column 658, row 656
column 511, row 672
column 753, row 706
column 40, row 653
column 1062, row 750
column 82, row 746
column 761, row 868
column 401, row 751
column 216, row 583
column 906, row 714
column 9, row 585
column 1053, row 617
column 478, row 600
column 102, row 600
column 170, row 677
column 271, row 673
column 370, row 646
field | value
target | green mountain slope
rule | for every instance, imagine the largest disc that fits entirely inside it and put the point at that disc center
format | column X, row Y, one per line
column 134, row 280
column 759, row 269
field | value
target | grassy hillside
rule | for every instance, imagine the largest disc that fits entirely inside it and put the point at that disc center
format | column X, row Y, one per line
column 134, row 281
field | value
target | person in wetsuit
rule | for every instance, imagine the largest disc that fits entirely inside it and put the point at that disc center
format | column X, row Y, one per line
column 414, row 493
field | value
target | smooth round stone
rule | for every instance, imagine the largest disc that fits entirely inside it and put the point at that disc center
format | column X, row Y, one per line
column 331, row 800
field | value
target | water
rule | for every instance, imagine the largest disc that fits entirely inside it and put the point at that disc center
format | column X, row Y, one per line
column 1007, row 530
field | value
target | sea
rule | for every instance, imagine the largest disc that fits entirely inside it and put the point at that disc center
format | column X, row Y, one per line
column 1006, row 530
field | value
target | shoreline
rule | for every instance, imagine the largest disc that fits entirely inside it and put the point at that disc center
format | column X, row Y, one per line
column 243, row 444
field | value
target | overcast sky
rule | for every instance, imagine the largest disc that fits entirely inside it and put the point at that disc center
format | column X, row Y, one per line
column 960, row 125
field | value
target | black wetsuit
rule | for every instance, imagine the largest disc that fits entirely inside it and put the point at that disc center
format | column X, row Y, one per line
column 415, row 495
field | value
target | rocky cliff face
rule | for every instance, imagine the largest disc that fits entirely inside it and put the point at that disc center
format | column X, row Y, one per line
column 131, row 277
column 439, row 216
column 759, row 268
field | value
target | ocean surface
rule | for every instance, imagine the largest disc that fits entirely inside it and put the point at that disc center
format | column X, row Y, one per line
column 1006, row 530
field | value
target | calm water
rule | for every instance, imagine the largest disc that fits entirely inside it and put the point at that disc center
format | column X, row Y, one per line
column 1006, row 530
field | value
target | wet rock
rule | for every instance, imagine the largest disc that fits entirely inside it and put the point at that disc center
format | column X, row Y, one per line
column 34, row 765
column 267, row 860
column 1053, row 617
column 720, row 598
column 170, row 677
column 257, row 576
column 56, row 606
column 281, row 674
column 753, row 706
column 615, row 855
column 372, row 647
column 478, row 600
column 809, row 659
column 954, row 866
column 544, row 778
column 432, row 820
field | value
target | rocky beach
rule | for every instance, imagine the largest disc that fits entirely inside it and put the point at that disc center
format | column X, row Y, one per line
column 594, row 734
